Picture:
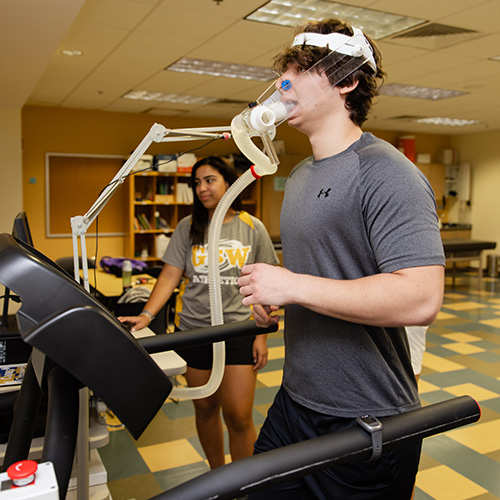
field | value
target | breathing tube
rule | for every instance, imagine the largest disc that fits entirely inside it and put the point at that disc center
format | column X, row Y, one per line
column 265, row 165
column 260, row 120
column 215, row 291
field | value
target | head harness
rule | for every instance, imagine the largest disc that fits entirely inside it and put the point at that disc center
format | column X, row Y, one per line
column 355, row 46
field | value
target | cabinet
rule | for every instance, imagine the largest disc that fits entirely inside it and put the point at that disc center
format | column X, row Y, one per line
column 435, row 173
column 157, row 202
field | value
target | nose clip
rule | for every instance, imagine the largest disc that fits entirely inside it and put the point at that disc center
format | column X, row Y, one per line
column 286, row 85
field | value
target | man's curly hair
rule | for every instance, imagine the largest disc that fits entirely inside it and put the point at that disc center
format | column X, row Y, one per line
column 333, row 64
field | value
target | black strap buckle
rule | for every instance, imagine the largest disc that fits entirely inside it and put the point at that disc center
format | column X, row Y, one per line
column 374, row 427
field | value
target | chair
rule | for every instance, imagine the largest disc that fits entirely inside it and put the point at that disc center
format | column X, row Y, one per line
column 67, row 264
column 154, row 271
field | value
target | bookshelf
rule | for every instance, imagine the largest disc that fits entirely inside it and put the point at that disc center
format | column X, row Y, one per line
column 157, row 202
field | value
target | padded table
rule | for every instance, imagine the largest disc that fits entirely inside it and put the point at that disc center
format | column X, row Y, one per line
column 457, row 250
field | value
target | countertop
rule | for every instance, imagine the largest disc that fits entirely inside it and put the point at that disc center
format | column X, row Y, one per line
column 452, row 226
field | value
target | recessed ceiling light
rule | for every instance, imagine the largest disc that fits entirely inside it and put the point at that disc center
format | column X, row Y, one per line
column 71, row 53
column 415, row 92
column 144, row 95
column 217, row 68
column 374, row 23
column 448, row 122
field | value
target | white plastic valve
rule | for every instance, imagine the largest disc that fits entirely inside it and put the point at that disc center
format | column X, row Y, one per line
column 264, row 117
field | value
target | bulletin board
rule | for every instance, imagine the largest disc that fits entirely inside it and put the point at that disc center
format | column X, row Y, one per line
column 73, row 184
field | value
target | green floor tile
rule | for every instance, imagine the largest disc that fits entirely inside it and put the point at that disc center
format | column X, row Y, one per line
column 173, row 477
column 121, row 458
column 474, row 466
column 162, row 429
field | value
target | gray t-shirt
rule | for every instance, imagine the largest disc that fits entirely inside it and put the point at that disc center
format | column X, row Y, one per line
column 243, row 240
column 365, row 211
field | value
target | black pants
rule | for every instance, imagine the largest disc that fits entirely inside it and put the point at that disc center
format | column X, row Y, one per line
column 391, row 477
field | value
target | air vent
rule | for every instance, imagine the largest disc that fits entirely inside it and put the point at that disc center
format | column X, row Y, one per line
column 232, row 101
column 433, row 29
column 407, row 118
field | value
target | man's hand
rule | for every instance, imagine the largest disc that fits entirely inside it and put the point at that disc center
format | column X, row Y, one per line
column 264, row 284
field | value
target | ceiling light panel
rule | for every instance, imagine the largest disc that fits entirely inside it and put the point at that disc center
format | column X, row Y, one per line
column 218, row 68
column 374, row 23
column 447, row 122
column 416, row 92
column 144, row 95
column 71, row 53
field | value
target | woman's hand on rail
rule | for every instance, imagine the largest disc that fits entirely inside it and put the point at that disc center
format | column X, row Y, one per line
column 260, row 352
column 134, row 323
column 263, row 315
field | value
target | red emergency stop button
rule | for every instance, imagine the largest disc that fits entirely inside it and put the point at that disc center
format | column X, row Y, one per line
column 22, row 473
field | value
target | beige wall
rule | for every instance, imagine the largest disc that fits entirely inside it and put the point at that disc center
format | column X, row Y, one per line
column 11, row 193
column 483, row 153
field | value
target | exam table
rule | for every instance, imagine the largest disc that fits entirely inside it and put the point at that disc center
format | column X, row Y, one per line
column 464, row 250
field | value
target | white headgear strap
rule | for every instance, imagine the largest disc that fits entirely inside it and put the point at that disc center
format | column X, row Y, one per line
column 355, row 46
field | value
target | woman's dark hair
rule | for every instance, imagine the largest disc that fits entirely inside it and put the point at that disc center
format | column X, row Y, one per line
column 200, row 221
column 359, row 100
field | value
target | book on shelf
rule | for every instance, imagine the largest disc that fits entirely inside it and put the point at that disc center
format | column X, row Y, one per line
column 161, row 223
column 143, row 221
column 184, row 193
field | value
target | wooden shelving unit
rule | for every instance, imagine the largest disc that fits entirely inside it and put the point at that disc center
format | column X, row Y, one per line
column 151, row 193
column 159, row 192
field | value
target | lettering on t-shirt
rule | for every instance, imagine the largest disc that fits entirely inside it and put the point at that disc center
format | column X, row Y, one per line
column 232, row 254
column 224, row 280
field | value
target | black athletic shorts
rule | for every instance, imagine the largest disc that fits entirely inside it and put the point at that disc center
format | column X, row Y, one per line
column 238, row 352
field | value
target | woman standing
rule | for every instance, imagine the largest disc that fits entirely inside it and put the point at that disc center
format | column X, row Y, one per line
column 243, row 240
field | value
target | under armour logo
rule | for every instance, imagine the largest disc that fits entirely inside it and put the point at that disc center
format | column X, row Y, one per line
column 324, row 192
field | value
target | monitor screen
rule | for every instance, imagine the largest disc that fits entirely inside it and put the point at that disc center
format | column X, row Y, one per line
column 21, row 229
